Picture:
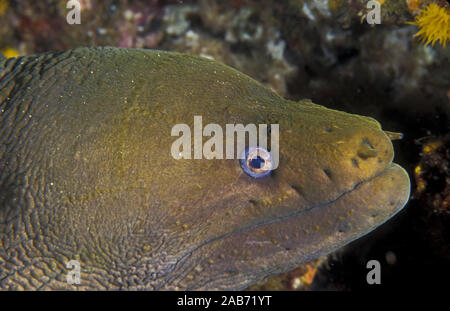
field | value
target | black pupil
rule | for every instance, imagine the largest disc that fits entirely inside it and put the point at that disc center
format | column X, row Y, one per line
column 257, row 162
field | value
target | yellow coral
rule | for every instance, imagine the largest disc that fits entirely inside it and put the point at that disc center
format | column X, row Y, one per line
column 431, row 146
column 434, row 25
column 9, row 52
column 3, row 6
column 335, row 4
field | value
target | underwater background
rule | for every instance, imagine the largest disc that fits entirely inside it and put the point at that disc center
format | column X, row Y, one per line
column 324, row 50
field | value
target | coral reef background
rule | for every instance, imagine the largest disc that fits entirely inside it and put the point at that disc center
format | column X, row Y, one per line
column 319, row 49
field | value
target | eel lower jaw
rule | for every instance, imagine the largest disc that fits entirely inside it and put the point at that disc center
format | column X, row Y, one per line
column 383, row 195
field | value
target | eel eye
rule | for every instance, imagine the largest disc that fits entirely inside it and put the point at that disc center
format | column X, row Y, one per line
column 257, row 162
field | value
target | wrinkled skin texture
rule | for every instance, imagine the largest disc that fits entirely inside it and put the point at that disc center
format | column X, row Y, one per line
column 87, row 174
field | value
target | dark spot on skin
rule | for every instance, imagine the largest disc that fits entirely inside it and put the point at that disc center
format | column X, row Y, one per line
column 328, row 130
column 297, row 189
column 343, row 227
column 373, row 215
column 287, row 248
column 355, row 163
column 253, row 202
column 273, row 174
column 380, row 161
column 391, row 203
column 327, row 172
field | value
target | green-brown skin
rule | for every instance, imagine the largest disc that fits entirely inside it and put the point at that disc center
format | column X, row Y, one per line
column 86, row 173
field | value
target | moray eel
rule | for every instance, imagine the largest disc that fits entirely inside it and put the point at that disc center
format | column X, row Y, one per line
column 86, row 174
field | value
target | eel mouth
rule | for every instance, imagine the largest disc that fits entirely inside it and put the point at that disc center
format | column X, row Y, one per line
column 389, row 188
column 393, row 175
column 377, row 198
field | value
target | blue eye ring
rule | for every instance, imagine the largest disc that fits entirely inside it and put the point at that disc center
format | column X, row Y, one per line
column 257, row 162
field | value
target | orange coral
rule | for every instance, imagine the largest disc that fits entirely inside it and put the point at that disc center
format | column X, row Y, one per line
column 413, row 5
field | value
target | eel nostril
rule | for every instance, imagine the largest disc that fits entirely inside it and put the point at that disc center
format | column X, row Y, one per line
column 366, row 150
column 394, row 135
